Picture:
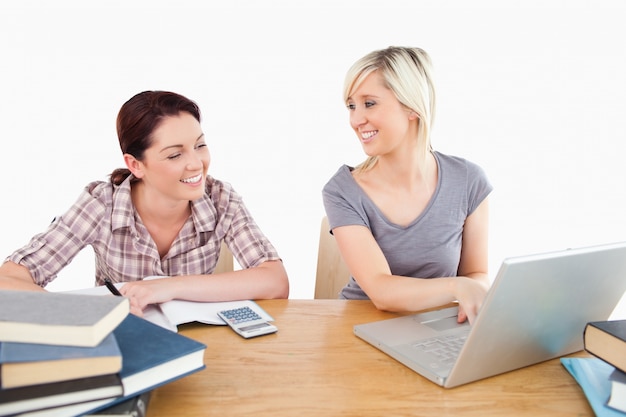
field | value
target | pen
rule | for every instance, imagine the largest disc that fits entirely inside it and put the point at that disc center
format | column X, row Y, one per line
column 111, row 287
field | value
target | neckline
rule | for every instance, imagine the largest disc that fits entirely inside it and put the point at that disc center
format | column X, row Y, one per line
column 420, row 216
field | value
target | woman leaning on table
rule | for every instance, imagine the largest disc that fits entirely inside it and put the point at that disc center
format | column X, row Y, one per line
column 162, row 215
column 410, row 222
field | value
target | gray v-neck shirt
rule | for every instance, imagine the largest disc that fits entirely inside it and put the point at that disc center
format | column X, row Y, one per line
column 428, row 247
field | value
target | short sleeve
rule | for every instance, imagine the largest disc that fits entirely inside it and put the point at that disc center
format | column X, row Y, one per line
column 478, row 186
column 339, row 195
column 50, row 251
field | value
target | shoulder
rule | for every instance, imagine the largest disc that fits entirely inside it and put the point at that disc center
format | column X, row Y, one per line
column 93, row 202
column 217, row 190
column 460, row 174
column 219, row 198
column 340, row 180
column 459, row 165
column 98, row 193
column 99, row 189
column 455, row 161
column 343, row 200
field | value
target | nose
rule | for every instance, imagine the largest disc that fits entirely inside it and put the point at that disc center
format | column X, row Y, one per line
column 357, row 118
column 195, row 162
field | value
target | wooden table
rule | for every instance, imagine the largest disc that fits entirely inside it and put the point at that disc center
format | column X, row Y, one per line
column 315, row 366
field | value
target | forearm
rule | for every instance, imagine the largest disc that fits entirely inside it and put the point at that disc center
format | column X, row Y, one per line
column 401, row 294
column 17, row 277
column 481, row 277
column 266, row 281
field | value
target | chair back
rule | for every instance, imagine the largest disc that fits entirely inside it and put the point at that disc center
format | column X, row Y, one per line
column 225, row 260
column 332, row 273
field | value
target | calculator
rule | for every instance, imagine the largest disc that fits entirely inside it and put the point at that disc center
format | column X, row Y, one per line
column 247, row 322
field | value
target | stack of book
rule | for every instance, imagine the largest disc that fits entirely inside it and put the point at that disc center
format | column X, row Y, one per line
column 73, row 354
column 603, row 378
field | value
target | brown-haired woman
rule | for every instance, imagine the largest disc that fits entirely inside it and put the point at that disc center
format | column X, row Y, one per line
column 162, row 215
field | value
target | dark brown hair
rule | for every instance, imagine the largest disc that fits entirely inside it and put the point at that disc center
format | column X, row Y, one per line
column 140, row 116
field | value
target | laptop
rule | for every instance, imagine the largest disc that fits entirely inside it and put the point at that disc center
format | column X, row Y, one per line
column 535, row 310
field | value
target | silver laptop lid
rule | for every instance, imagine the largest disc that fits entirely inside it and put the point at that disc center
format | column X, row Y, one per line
column 537, row 309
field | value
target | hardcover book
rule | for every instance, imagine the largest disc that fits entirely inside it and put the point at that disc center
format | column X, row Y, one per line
column 617, row 399
column 607, row 341
column 59, row 318
column 56, row 394
column 23, row 364
column 132, row 407
column 153, row 355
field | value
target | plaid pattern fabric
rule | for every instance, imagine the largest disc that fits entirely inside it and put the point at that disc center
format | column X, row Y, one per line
column 105, row 218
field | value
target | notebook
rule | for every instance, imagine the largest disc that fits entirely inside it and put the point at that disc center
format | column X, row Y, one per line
column 535, row 310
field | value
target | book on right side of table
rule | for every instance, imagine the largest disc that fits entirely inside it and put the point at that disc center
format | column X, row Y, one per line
column 617, row 399
column 607, row 341
column 59, row 318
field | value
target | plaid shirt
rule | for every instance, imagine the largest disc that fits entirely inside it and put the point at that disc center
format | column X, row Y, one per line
column 105, row 218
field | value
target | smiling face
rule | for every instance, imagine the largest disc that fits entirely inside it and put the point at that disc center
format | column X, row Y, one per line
column 175, row 166
column 381, row 122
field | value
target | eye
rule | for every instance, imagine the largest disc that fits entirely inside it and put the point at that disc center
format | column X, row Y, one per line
column 369, row 103
column 201, row 145
column 174, row 156
column 350, row 106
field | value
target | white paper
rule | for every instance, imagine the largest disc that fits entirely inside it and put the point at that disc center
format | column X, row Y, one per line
column 179, row 311
column 172, row 313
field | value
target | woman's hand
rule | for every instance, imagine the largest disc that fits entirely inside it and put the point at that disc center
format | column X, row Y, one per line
column 470, row 294
column 142, row 293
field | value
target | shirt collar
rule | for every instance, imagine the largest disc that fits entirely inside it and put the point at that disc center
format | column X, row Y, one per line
column 123, row 211
column 203, row 212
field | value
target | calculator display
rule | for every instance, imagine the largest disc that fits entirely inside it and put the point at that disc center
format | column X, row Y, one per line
column 253, row 327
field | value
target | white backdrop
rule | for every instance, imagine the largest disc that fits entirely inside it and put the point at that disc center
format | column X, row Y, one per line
column 535, row 93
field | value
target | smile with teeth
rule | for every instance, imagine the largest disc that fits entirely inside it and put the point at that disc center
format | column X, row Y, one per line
column 367, row 135
column 192, row 179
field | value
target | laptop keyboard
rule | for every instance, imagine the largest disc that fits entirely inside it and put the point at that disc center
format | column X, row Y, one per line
column 445, row 348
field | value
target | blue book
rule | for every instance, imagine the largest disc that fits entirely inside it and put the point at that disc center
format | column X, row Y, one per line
column 153, row 356
column 24, row 364
column 592, row 374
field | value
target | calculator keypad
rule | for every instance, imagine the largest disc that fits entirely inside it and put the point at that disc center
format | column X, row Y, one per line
column 240, row 315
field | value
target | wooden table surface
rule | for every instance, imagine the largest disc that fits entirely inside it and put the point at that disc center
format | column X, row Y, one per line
column 315, row 366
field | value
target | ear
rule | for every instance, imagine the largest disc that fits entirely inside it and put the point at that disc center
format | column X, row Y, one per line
column 135, row 166
column 413, row 115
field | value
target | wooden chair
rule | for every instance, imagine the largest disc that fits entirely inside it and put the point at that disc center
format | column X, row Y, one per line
column 225, row 261
column 332, row 273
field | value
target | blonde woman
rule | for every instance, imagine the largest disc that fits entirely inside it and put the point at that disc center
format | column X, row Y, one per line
column 411, row 223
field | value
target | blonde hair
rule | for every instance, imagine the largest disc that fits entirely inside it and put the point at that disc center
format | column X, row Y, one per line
column 408, row 73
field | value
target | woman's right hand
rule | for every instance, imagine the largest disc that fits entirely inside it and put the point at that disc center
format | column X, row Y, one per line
column 470, row 293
